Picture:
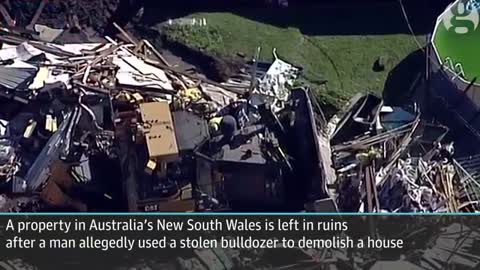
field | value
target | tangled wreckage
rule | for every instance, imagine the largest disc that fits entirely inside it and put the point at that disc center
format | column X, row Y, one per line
column 387, row 159
column 114, row 124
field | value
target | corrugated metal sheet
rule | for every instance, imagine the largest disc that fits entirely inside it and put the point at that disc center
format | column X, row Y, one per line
column 12, row 78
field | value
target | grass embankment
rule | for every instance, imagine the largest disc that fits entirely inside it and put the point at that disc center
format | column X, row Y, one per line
column 345, row 58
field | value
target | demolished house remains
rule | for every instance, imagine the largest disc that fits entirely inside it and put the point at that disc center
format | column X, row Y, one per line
column 113, row 121
column 112, row 126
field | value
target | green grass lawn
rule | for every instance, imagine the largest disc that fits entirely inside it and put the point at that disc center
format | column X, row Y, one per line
column 345, row 61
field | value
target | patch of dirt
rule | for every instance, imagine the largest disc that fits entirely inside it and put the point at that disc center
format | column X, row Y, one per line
column 216, row 68
column 91, row 13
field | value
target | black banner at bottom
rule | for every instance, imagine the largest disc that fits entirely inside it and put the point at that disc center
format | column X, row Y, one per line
column 239, row 242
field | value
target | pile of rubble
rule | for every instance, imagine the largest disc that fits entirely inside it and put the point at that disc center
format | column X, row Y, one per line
column 181, row 142
column 389, row 160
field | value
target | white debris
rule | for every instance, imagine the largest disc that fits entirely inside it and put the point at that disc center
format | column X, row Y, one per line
column 3, row 127
column 135, row 72
column 275, row 84
column 21, row 52
column 8, row 53
column 46, row 33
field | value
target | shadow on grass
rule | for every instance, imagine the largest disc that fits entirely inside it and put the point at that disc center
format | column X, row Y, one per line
column 347, row 17
column 404, row 79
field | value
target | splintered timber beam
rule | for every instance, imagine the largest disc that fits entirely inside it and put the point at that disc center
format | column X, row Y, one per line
column 125, row 34
column 142, row 43
column 156, row 53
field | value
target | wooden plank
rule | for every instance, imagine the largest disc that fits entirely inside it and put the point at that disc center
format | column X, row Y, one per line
column 125, row 34
column 156, row 53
